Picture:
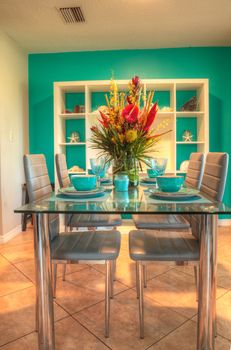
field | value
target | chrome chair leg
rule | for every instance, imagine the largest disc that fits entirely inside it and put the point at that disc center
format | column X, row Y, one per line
column 196, row 272
column 36, row 315
column 137, row 280
column 114, row 270
column 111, row 279
column 145, row 275
column 107, row 298
column 54, row 279
column 64, row 271
column 141, row 299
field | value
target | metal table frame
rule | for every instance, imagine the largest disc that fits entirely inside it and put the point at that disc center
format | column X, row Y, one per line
column 207, row 283
column 208, row 259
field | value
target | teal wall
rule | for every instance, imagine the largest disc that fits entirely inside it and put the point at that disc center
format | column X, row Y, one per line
column 211, row 63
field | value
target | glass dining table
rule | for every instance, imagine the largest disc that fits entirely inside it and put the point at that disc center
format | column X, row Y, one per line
column 135, row 201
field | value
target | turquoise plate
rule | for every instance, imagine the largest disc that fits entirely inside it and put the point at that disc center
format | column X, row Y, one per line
column 185, row 194
column 148, row 180
column 105, row 180
column 82, row 195
column 189, row 197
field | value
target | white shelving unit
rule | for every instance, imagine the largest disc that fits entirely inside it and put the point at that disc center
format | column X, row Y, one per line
column 170, row 146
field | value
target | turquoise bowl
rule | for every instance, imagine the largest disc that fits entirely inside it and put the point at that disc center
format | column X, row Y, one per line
column 84, row 182
column 170, row 183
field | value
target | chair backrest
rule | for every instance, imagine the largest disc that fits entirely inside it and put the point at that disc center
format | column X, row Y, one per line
column 195, row 170
column 215, row 174
column 38, row 185
column 61, row 168
column 213, row 183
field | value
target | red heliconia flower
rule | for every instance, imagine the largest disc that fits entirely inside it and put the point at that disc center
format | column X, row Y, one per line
column 128, row 100
column 105, row 120
column 135, row 80
column 151, row 116
column 130, row 113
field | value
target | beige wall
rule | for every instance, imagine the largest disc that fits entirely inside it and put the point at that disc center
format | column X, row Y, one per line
column 13, row 131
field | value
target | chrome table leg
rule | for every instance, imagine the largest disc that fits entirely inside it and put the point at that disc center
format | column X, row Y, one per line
column 107, row 297
column 46, row 340
column 141, row 299
column 207, row 283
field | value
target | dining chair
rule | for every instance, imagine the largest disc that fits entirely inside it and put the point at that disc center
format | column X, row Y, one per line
column 179, row 248
column 175, row 222
column 171, row 221
column 72, row 247
column 92, row 221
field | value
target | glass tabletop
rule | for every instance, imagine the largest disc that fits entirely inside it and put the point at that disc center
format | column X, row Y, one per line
column 135, row 201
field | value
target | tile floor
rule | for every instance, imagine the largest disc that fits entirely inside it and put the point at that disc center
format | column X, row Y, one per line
column 170, row 302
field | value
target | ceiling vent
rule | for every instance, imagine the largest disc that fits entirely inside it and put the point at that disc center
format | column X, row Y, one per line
column 71, row 14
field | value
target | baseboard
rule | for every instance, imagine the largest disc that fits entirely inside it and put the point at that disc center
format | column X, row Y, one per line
column 224, row 222
column 11, row 234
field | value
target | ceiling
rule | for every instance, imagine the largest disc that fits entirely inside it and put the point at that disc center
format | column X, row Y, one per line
column 117, row 24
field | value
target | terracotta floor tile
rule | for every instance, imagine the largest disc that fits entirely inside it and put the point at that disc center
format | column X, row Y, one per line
column 126, row 271
column 28, row 268
column 224, row 315
column 82, row 289
column 17, row 314
column 169, row 287
column 69, row 335
column 19, row 252
column 185, row 338
column 28, row 342
column 175, row 290
column 124, row 324
column 11, row 279
column 22, row 238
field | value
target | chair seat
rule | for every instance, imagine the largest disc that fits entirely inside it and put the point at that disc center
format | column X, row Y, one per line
column 161, row 222
column 93, row 220
column 100, row 245
column 147, row 245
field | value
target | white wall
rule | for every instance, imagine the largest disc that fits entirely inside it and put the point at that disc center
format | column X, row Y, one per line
column 13, row 132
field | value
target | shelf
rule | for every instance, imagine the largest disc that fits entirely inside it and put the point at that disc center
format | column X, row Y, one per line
column 189, row 114
column 189, row 143
column 77, row 172
column 72, row 115
column 72, row 143
column 165, row 114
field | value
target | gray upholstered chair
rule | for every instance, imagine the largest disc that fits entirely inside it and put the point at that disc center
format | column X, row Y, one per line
column 179, row 248
column 175, row 222
column 73, row 247
column 82, row 220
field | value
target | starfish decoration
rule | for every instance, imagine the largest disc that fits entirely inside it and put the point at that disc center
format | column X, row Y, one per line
column 187, row 136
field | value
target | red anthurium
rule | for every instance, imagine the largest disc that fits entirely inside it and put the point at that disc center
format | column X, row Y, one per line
column 151, row 116
column 135, row 80
column 105, row 120
column 130, row 113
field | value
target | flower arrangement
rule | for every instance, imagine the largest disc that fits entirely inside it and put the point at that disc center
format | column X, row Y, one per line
column 125, row 133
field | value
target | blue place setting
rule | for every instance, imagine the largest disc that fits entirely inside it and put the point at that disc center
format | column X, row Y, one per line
column 83, row 187
column 169, row 183
column 156, row 166
column 84, row 182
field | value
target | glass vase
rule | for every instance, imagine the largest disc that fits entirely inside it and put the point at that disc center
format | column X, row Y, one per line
column 128, row 166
